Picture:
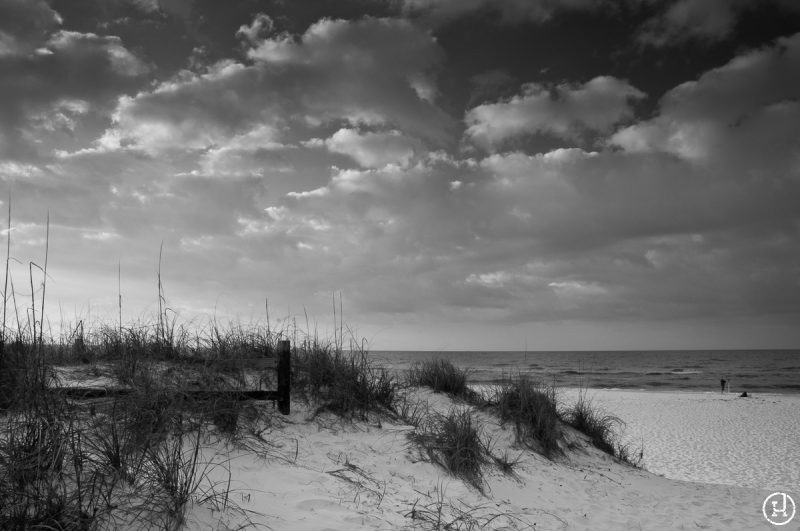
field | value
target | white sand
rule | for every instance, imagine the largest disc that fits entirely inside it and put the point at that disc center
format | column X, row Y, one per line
column 328, row 475
column 711, row 437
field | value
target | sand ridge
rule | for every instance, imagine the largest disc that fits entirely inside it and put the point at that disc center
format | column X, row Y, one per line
column 330, row 474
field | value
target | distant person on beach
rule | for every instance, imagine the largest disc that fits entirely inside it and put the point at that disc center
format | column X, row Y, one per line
column 722, row 383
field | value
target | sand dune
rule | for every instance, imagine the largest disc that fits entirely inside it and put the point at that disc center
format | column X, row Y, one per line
column 329, row 474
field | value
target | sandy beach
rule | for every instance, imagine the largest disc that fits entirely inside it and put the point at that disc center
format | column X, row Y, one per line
column 710, row 437
column 334, row 475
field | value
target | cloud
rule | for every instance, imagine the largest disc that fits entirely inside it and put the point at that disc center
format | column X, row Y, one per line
column 84, row 50
column 25, row 25
column 254, row 152
column 568, row 234
column 321, row 162
column 738, row 115
column 676, row 22
column 692, row 217
column 373, row 150
column 359, row 72
column 55, row 78
column 707, row 21
column 181, row 8
column 565, row 111
column 258, row 30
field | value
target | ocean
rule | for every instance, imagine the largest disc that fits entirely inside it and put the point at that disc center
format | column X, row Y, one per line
column 765, row 371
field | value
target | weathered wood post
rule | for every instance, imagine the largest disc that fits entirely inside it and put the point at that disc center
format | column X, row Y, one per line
column 284, row 376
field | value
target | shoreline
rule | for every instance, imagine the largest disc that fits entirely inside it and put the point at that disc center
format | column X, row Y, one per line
column 750, row 393
column 735, row 394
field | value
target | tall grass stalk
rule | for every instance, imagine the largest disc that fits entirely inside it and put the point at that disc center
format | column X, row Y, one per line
column 44, row 275
column 5, row 286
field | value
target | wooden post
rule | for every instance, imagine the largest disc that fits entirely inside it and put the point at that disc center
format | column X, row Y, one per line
column 284, row 376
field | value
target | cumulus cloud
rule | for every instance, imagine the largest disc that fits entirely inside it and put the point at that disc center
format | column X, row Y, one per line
column 359, row 72
column 642, row 232
column 568, row 234
column 82, row 49
column 373, row 150
column 251, row 153
column 320, row 162
column 54, row 77
column 742, row 113
column 256, row 31
column 565, row 111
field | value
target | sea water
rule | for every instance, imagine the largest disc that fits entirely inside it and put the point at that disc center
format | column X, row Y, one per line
column 770, row 371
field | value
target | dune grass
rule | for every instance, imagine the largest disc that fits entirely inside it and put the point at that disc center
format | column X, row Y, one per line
column 455, row 442
column 602, row 430
column 131, row 459
column 530, row 406
column 442, row 376
column 345, row 383
column 133, row 456
column 532, row 409
column 586, row 418
column 134, row 460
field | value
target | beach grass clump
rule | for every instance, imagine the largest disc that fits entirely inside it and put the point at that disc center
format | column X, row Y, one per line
column 47, row 477
column 118, row 450
column 173, row 474
column 454, row 442
column 345, row 383
column 532, row 408
column 584, row 417
column 24, row 375
column 87, row 464
column 440, row 375
column 439, row 513
column 627, row 453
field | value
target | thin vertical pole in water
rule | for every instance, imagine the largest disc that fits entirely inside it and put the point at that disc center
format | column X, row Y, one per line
column 284, row 376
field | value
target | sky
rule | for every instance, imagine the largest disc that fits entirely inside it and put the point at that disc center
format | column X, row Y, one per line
column 458, row 174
